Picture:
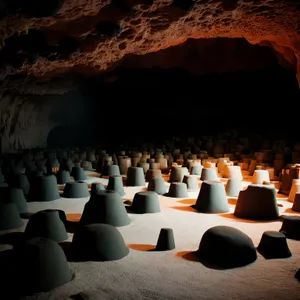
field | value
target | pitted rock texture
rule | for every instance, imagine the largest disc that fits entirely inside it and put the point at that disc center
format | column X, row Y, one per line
column 49, row 38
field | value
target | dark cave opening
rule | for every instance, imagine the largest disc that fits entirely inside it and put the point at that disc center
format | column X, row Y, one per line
column 177, row 92
column 197, row 88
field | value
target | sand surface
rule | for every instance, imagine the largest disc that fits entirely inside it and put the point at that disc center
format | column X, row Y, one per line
column 176, row 274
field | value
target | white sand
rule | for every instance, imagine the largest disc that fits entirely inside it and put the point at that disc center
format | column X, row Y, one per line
column 168, row 275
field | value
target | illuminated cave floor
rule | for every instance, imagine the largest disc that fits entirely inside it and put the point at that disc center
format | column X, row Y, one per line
column 172, row 274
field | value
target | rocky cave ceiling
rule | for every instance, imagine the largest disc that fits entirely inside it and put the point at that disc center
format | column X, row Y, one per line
column 49, row 47
column 43, row 41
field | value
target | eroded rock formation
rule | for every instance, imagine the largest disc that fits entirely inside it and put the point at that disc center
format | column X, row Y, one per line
column 48, row 38
column 47, row 47
column 24, row 122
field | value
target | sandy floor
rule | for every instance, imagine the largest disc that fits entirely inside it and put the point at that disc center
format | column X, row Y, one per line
column 175, row 274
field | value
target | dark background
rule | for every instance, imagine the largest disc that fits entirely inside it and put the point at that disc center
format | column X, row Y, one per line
column 199, row 87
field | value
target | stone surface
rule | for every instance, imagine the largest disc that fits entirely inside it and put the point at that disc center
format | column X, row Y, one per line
column 92, row 35
column 26, row 120
column 45, row 49
column 24, row 123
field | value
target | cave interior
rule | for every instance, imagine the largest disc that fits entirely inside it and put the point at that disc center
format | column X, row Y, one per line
column 187, row 81
column 70, row 80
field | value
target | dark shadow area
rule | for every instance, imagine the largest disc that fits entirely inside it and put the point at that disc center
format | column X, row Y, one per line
column 80, row 296
column 12, row 238
column 26, row 216
column 197, row 75
column 65, row 136
column 71, row 222
column 193, row 257
column 128, row 208
column 7, row 289
column 246, row 75
column 66, row 247
column 207, row 56
column 266, row 257
column 188, row 255
column 71, row 226
column 72, row 118
column 127, row 202
column 239, row 87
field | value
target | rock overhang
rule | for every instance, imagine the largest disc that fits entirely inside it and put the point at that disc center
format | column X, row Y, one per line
column 59, row 37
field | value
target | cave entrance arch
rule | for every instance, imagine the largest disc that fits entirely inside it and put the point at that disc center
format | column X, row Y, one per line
column 64, row 136
column 71, row 136
column 221, row 76
column 57, row 137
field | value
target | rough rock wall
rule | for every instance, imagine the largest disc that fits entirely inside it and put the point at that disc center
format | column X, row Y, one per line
column 94, row 35
column 44, row 39
column 24, row 122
